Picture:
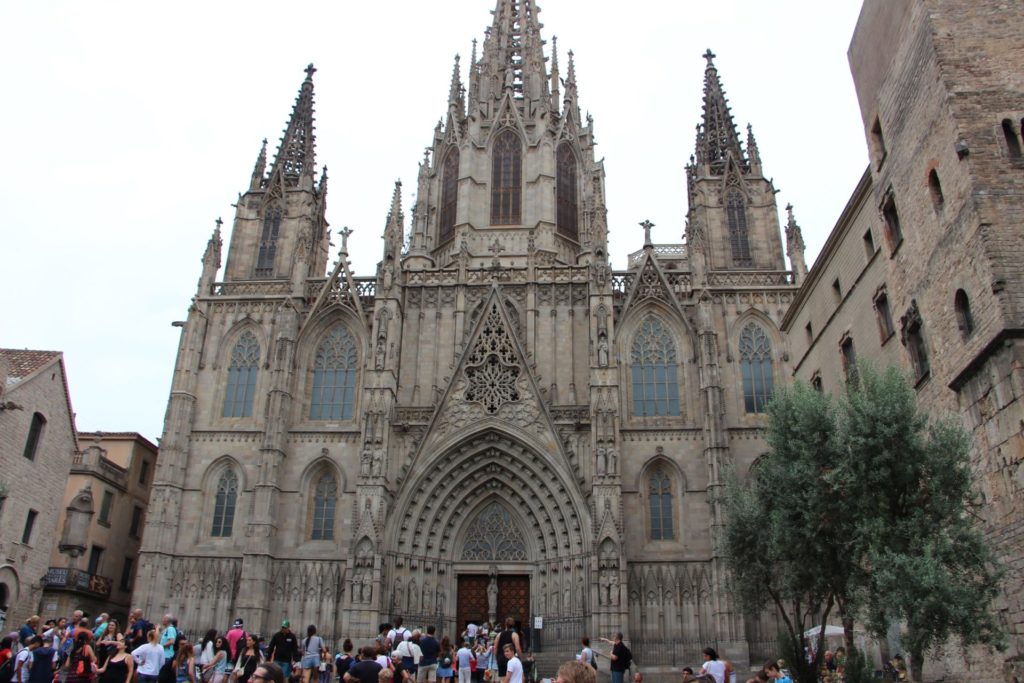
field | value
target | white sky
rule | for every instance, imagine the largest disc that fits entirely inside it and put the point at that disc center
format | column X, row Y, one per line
column 129, row 127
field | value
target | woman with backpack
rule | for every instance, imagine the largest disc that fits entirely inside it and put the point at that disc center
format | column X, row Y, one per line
column 184, row 662
column 82, row 659
column 312, row 646
column 587, row 655
column 445, row 661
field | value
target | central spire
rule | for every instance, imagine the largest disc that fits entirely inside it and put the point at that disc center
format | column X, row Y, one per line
column 295, row 161
column 513, row 53
column 716, row 136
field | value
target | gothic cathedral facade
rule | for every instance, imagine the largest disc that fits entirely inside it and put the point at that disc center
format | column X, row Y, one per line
column 496, row 423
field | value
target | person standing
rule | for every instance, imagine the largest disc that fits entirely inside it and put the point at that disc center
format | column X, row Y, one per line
column 235, row 637
column 247, row 661
column 138, row 630
column 513, row 667
column 284, row 648
column 119, row 667
column 149, row 657
column 620, row 657
column 587, row 655
column 508, row 636
column 429, row 650
column 80, row 663
column 28, row 630
column 366, row 670
column 41, row 664
column 169, row 636
column 311, row 648
column 464, row 663
column 216, row 670
column 410, row 654
column 713, row 666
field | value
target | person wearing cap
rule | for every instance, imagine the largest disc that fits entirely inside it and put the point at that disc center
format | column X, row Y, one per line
column 284, row 647
column 233, row 636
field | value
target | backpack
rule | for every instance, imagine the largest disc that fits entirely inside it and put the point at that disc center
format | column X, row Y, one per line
column 446, row 663
column 627, row 660
column 7, row 669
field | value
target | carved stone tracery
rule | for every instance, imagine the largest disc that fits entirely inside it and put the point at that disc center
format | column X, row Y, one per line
column 493, row 536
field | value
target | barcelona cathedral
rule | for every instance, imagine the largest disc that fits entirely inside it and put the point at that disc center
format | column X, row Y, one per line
column 496, row 423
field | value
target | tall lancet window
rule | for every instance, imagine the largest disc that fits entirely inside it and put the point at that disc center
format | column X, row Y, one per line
column 655, row 371
column 756, row 366
column 449, row 196
column 507, row 180
column 565, row 193
column 268, row 242
column 245, row 361
column 739, row 239
column 334, row 376
column 661, row 506
column 224, row 504
column 324, row 498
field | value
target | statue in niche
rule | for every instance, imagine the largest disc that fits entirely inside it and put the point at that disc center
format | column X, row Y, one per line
column 542, row 598
column 396, row 596
column 492, row 595
column 602, row 351
column 567, row 598
column 365, row 462
column 602, row 460
column 389, row 275
column 377, row 466
column 428, row 596
column 613, row 588
column 441, row 597
column 380, row 354
column 603, row 588
column 613, row 460
column 579, row 595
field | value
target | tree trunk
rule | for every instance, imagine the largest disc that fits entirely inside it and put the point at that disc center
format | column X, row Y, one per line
column 916, row 665
column 851, row 646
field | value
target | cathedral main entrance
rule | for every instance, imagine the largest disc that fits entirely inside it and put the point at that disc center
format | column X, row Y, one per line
column 509, row 593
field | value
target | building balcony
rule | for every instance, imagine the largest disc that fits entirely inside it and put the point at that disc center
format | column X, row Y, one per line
column 77, row 581
column 91, row 461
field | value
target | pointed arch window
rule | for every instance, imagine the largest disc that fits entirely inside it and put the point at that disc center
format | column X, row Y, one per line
column 241, row 387
column 507, row 179
column 565, row 192
column 449, row 196
column 224, row 504
column 739, row 238
column 334, row 376
column 660, row 492
column 756, row 367
column 325, row 497
column 268, row 242
column 655, row 371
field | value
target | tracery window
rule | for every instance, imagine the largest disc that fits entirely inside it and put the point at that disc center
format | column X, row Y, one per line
column 739, row 239
column 660, row 492
column 224, row 504
column 324, row 500
column 506, row 179
column 493, row 536
column 449, row 196
column 268, row 242
column 334, row 376
column 492, row 366
column 241, row 386
column 756, row 367
column 655, row 371
column 565, row 192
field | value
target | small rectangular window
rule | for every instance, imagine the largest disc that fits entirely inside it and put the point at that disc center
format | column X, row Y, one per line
column 126, row 574
column 95, row 554
column 884, row 315
column 869, row 244
column 893, row 229
column 35, row 434
column 849, row 359
column 143, row 472
column 816, row 383
column 837, row 291
column 810, row 332
column 30, row 521
column 877, row 142
column 108, row 501
column 136, row 522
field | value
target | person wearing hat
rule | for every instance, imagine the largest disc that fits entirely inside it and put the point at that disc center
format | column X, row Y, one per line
column 235, row 634
column 284, row 647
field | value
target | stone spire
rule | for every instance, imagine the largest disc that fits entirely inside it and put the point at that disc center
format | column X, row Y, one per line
column 753, row 154
column 211, row 261
column 555, row 92
column 259, row 171
column 795, row 247
column 513, row 53
column 456, row 93
column 716, row 136
column 571, row 95
column 394, row 229
column 295, row 164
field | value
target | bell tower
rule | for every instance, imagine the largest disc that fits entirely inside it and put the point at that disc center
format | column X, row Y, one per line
column 280, row 232
column 510, row 176
column 733, row 219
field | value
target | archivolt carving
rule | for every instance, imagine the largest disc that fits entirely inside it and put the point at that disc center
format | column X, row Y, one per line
column 494, row 536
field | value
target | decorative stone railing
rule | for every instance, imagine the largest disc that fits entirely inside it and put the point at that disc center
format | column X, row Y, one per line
column 77, row 580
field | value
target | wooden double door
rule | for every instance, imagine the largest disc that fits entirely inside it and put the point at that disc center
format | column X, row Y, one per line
column 513, row 599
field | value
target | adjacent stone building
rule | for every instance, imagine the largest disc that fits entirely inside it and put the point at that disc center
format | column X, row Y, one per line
column 93, row 565
column 37, row 442
column 925, row 268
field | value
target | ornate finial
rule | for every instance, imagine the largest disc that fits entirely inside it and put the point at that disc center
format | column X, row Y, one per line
column 219, row 223
column 709, row 55
column 344, row 232
column 647, row 225
column 310, row 70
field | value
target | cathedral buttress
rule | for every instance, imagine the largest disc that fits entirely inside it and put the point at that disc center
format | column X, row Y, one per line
column 280, row 232
column 733, row 222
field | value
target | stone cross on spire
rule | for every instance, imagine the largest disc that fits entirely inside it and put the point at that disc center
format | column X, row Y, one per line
column 344, row 232
column 709, row 55
column 310, row 70
column 647, row 225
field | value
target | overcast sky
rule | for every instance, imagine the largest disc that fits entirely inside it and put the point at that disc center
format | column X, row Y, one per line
column 129, row 127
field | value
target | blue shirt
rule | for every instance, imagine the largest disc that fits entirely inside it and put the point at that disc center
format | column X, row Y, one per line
column 430, row 649
column 167, row 639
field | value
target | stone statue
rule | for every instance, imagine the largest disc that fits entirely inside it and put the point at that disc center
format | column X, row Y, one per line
column 604, row 588
column 492, row 597
column 396, row 596
column 440, row 600
column 381, row 352
column 602, row 460
column 613, row 588
column 428, row 596
column 613, row 461
column 602, row 352
column 365, row 462
column 377, row 466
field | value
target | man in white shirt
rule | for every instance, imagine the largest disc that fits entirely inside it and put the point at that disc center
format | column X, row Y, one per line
column 23, row 660
column 463, row 659
column 514, row 672
column 471, row 629
column 398, row 634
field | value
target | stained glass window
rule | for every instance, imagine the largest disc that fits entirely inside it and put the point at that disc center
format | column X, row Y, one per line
column 566, row 193
column 449, row 196
column 334, row 377
column 756, row 367
column 661, row 506
column 324, row 499
column 506, row 179
column 655, row 371
column 245, row 361
column 224, row 504
column 739, row 239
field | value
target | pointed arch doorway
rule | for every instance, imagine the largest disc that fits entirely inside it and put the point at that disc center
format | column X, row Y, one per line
column 493, row 569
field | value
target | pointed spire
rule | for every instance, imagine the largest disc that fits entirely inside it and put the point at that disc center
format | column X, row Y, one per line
column 795, row 247
column 211, row 260
column 259, row 171
column 455, row 91
column 571, row 95
column 323, row 182
column 295, row 160
column 716, row 137
column 394, row 230
column 753, row 154
column 513, row 53
column 555, row 92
